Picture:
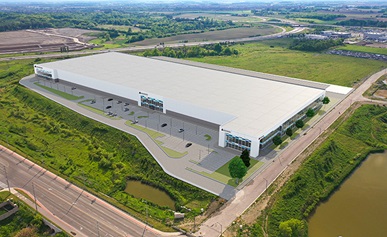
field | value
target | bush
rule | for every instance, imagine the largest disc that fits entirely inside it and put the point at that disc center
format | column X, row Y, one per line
column 277, row 140
column 310, row 113
column 289, row 132
column 300, row 123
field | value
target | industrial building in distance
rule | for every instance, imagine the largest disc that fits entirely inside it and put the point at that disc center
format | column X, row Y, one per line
column 248, row 110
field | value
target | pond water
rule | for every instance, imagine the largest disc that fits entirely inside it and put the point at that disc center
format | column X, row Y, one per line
column 149, row 193
column 359, row 207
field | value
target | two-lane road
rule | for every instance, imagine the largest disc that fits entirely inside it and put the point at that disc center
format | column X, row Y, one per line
column 88, row 215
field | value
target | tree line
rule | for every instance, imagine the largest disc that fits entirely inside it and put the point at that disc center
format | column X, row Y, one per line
column 314, row 45
column 150, row 24
column 323, row 17
column 193, row 52
column 356, row 22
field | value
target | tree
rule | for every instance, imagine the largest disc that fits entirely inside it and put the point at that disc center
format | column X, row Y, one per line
column 245, row 156
column 237, row 168
column 292, row 228
column 300, row 123
column 326, row 100
column 310, row 113
column 218, row 48
column 277, row 140
column 289, row 132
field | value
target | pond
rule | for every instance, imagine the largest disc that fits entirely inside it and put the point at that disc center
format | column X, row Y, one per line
column 359, row 207
column 149, row 193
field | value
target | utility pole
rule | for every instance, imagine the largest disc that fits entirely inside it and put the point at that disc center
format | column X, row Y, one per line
column 6, row 177
column 98, row 229
column 33, row 190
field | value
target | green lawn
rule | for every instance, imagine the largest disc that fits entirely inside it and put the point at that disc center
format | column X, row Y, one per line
column 279, row 60
column 60, row 93
column 223, row 175
column 364, row 49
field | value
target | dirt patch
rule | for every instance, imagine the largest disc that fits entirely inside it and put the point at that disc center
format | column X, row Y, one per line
column 44, row 40
column 381, row 93
column 377, row 45
column 192, row 225
column 228, row 34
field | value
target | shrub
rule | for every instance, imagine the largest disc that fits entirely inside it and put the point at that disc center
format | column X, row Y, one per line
column 310, row 113
column 326, row 100
column 289, row 132
column 277, row 140
column 300, row 123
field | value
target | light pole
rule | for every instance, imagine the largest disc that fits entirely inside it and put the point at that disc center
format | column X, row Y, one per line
column 33, row 190
column 6, row 177
column 266, row 182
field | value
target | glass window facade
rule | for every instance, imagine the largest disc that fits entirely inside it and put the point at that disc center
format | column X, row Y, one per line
column 152, row 103
column 43, row 73
column 238, row 143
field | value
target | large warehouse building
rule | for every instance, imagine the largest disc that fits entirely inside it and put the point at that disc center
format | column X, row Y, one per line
column 250, row 111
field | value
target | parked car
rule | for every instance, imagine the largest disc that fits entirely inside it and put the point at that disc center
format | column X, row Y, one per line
column 188, row 144
column 181, row 130
column 119, row 102
column 163, row 125
column 108, row 107
column 110, row 99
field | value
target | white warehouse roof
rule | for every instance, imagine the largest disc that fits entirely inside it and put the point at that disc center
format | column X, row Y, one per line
column 257, row 105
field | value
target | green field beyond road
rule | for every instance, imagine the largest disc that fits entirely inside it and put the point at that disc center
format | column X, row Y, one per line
column 273, row 57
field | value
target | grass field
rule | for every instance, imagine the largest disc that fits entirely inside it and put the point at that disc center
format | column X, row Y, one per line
column 279, row 60
column 222, row 17
column 228, row 34
column 119, row 27
column 364, row 49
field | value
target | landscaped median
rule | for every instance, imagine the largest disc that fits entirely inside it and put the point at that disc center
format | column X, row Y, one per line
column 94, row 110
column 154, row 135
column 223, row 175
column 60, row 93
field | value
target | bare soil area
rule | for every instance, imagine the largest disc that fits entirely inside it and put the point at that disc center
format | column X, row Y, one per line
column 229, row 34
column 44, row 40
column 377, row 45
column 381, row 93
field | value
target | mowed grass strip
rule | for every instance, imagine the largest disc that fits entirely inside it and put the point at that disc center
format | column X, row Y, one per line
column 60, row 93
column 273, row 57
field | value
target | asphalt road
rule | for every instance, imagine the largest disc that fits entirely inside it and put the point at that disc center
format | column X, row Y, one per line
column 85, row 214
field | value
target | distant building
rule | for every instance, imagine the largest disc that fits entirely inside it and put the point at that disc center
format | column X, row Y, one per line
column 316, row 37
column 336, row 34
column 380, row 36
